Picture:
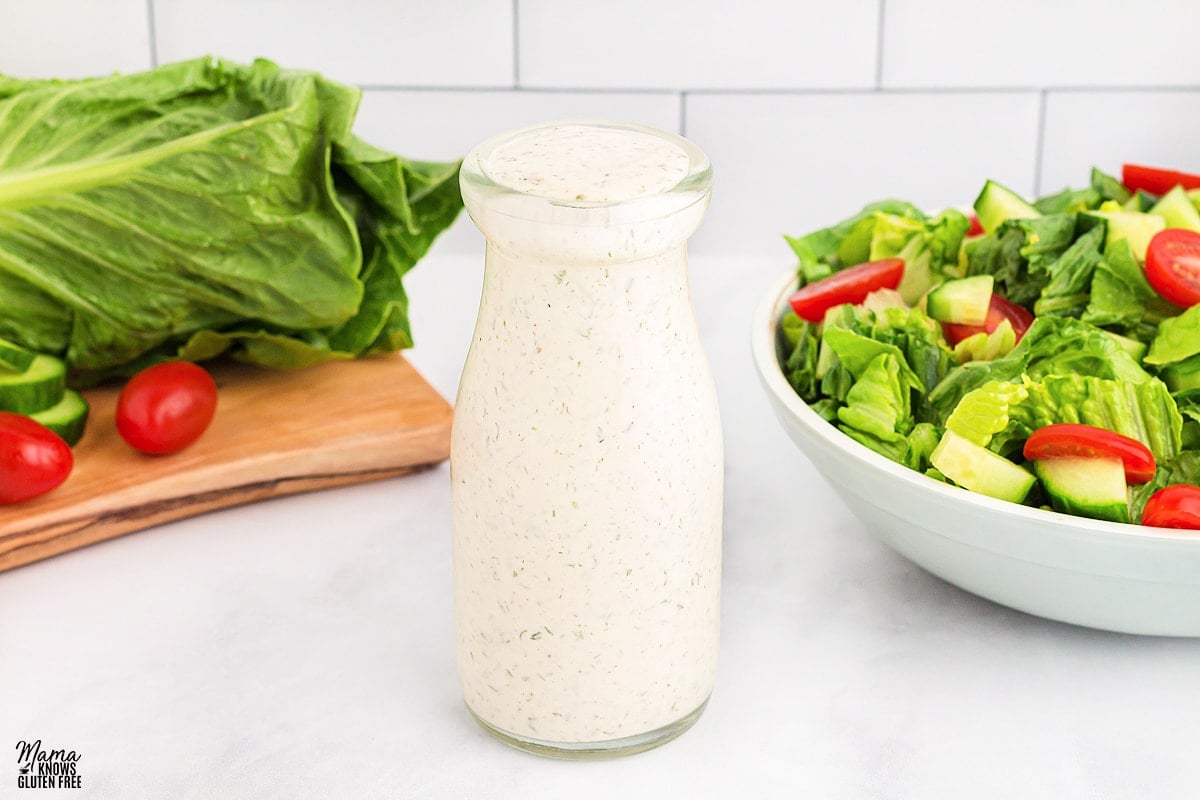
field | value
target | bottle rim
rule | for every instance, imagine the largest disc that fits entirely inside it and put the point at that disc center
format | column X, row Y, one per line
column 484, row 193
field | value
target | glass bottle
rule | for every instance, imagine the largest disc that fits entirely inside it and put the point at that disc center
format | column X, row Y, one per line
column 586, row 454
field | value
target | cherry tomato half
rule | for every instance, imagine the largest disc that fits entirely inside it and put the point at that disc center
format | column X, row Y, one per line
column 33, row 458
column 1155, row 180
column 1071, row 440
column 1173, row 266
column 975, row 228
column 850, row 285
column 166, row 407
column 1175, row 506
column 999, row 310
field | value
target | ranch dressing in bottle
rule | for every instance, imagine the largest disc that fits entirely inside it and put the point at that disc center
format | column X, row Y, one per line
column 586, row 455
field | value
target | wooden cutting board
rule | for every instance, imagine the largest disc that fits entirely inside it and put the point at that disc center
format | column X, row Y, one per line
column 275, row 433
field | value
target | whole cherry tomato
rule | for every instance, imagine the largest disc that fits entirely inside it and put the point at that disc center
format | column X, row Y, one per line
column 33, row 458
column 166, row 407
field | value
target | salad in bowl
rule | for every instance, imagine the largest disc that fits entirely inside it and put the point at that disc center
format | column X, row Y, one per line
column 1041, row 352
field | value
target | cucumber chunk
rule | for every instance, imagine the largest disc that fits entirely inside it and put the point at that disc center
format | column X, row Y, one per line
column 67, row 418
column 963, row 301
column 13, row 357
column 39, row 387
column 980, row 470
column 1086, row 487
column 1135, row 227
column 996, row 204
column 1183, row 376
column 1177, row 210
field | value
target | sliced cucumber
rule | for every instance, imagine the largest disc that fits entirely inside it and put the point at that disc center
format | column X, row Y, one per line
column 1086, row 487
column 39, row 387
column 996, row 204
column 963, row 301
column 1134, row 226
column 1141, row 201
column 980, row 470
column 13, row 357
column 1183, row 376
column 67, row 418
column 1177, row 210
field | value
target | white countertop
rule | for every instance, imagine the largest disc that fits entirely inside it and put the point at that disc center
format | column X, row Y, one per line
column 302, row 647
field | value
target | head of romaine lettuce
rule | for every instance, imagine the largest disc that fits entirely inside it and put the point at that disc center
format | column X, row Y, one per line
column 205, row 207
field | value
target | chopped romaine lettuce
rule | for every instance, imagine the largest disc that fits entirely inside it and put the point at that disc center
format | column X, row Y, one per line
column 1019, row 253
column 1001, row 415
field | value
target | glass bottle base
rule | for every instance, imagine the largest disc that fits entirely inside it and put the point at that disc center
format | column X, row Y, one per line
column 590, row 751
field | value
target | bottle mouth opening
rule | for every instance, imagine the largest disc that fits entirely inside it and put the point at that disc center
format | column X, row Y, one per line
column 585, row 173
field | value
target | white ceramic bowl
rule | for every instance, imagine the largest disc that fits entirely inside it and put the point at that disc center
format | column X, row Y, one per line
column 1100, row 574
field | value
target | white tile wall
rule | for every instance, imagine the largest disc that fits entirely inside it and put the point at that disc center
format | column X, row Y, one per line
column 675, row 44
column 933, row 43
column 73, row 38
column 785, row 164
column 1106, row 129
column 409, row 43
column 809, row 108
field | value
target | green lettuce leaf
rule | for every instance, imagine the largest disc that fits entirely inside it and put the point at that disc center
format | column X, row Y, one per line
column 205, row 207
column 1178, row 339
column 1068, row 291
column 845, row 244
column 853, row 336
column 1109, row 187
column 986, row 346
column 1121, row 299
column 878, row 402
column 800, row 342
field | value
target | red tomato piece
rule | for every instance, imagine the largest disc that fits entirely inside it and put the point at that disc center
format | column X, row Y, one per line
column 1175, row 506
column 976, row 227
column 850, row 285
column 33, row 458
column 166, row 407
column 999, row 310
column 1173, row 266
column 1071, row 440
column 1155, row 180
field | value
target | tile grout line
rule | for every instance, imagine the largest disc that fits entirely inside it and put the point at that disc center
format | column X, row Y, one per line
column 879, row 46
column 1041, row 143
column 771, row 92
column 516, row 43
column 153, row 34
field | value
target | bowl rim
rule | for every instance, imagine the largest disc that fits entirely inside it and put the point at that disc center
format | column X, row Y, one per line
column 763, row 345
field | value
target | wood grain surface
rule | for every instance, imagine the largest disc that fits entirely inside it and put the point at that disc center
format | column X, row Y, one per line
column 275, row 433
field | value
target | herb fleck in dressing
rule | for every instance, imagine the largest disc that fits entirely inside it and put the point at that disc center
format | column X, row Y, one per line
column 586, row 460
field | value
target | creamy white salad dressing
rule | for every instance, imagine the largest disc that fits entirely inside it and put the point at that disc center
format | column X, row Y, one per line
column 584, row 163
column 586, row 458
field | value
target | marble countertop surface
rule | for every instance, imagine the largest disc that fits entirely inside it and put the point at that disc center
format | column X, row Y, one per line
column 302, row 647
